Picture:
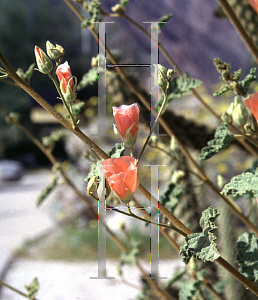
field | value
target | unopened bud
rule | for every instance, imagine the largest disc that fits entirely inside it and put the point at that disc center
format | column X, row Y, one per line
column 54, row 52
column 160, row 76
column 44, row 63
column 118, row 9
column 240, row 113
column 170, row 74
column 221, row 181
column 92, row 184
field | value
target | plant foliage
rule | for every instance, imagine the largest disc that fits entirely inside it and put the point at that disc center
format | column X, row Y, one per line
column 222, row 139
column 202, row 245
column 247, row 256
column 241, row 184
column 180, row 85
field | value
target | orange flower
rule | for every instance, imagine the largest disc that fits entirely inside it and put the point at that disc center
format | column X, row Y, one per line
column 252, row 104
column 121, row 174
column 254, row 4
column 127, row 121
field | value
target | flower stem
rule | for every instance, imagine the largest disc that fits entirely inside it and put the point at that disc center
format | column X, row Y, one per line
column 53, row 78
column 155, row 122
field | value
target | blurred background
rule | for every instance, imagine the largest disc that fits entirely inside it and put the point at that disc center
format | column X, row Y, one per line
column 196, row 33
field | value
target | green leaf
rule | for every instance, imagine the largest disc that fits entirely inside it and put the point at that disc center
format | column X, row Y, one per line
column 223, row 89
column 222, row 139
column 180, row 85
column 123, row 3
column 88, row 78
column 245, row 83
column 172, row 196
column 46, row 192
column 202, row 245
column 241, row 184
column 247, row 256
column 33, row 288
column 164, row 19
column 189, row 289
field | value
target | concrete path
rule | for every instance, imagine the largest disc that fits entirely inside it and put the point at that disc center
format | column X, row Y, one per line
column 21, row 220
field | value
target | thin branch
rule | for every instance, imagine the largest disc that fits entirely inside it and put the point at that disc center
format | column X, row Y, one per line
column 229, row 12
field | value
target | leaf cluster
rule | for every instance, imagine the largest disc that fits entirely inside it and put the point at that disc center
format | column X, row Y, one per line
column 232, row 79
column 92, row 8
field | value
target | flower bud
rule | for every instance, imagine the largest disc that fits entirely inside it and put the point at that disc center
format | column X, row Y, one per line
column 44, row 63
column 67, row 85
column 92, row 184
column 127, row 121
column 240, row 114
column 160, row 76
column 54, row 52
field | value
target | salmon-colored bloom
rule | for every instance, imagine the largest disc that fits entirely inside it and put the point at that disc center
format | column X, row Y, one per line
column 65, row 76
column 127, row 121
column 252, row 104
column 121, row 174
column 254, row 4
column 67, row 85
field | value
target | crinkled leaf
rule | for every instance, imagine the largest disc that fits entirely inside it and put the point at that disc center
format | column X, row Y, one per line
column 94, row 170
column 189, row 289
column 180, row 85
column 202, row 245
column 247, row 256
column 117, row 151
column 222, row 139
column 164, row 19
column 172, row 196
column 223, row 89
column 241, row 184
column 88, row 78
column 47, row 191
column 33, row 288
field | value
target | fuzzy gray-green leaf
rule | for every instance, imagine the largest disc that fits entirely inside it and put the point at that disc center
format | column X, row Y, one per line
column 247, row 256
column 202, row 245
column 241, row 184
column 222, row 139
column 180, row 85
